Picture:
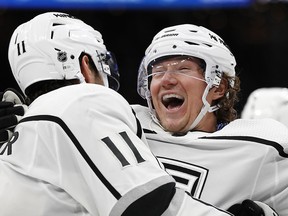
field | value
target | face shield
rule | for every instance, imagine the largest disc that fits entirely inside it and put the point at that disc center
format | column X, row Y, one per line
column 179, row 66
column 107, row 64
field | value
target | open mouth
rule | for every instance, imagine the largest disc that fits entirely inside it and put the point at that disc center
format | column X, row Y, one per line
column 172, row 101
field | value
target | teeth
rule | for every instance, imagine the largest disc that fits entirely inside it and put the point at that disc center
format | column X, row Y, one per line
column 169, row 96
column 172, row 101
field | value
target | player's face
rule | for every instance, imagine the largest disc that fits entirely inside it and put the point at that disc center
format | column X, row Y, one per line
column 177, row 87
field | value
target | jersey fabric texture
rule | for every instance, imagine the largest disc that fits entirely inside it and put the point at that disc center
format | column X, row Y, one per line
column 79, row 150
column 247, row 159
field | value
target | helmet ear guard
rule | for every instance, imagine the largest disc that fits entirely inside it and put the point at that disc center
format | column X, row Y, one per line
column 216, row 76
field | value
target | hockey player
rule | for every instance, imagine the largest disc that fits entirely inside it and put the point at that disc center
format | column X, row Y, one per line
column 267, row 103
column 188, row 78
column 79, row 150
column 198, row 160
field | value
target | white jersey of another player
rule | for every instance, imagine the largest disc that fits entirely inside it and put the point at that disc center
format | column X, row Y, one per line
column 54, row 166
column 247, row 159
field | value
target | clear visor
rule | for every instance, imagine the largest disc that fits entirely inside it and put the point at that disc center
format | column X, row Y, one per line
column 114, row 76
column 109, row 67
column 177, row 65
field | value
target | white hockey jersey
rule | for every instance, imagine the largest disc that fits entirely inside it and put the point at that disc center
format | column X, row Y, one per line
column 79, row 150
column 247, row 159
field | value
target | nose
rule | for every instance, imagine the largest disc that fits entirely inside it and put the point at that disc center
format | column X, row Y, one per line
column 169, row 78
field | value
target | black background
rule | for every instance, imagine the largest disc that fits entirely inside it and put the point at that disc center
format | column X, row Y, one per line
column 257, row 35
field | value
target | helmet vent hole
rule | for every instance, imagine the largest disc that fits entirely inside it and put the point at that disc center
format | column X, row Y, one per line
column 209, row 45
column 191, row 43
column 174, row 46
column 57, row 24
column 52, row 34
column 194, row 31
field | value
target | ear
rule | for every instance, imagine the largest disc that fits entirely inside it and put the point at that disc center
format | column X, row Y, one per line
column 86, row 71
column 220, row 91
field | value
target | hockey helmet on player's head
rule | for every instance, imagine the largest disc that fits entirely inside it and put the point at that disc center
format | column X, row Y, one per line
column 188, row 40
column 194, row 41
column 267, row 103
column 48, row 47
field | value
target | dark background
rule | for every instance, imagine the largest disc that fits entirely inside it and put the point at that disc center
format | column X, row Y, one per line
column 257, row 35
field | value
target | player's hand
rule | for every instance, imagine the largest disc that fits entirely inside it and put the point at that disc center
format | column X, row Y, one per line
column 12, row 108
column 252, row 208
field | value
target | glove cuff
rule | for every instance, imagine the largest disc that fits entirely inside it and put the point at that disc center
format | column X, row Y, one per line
column 12, row 95
column 268, row 211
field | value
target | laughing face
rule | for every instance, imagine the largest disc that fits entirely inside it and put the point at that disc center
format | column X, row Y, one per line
column 177, row 87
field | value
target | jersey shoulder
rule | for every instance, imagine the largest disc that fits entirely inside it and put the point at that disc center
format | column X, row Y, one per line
column 85, row 104
column 268, row 129
column 78, row 98
column 144, row 116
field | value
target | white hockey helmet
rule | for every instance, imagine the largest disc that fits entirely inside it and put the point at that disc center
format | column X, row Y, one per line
column 189, row 40
column 48, row 47
column 267, row 103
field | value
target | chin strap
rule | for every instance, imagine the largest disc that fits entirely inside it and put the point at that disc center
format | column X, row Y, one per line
column 205, row 108
column 213, row 80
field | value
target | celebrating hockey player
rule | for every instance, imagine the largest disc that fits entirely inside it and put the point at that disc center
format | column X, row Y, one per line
column 79, row 150
column 188, row 78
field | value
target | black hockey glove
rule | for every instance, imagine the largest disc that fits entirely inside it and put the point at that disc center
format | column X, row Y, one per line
column 12, row 108
column 252, row 208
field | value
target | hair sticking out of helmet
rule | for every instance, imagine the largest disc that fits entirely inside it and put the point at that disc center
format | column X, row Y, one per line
column 48, row 47
column 194, row 41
